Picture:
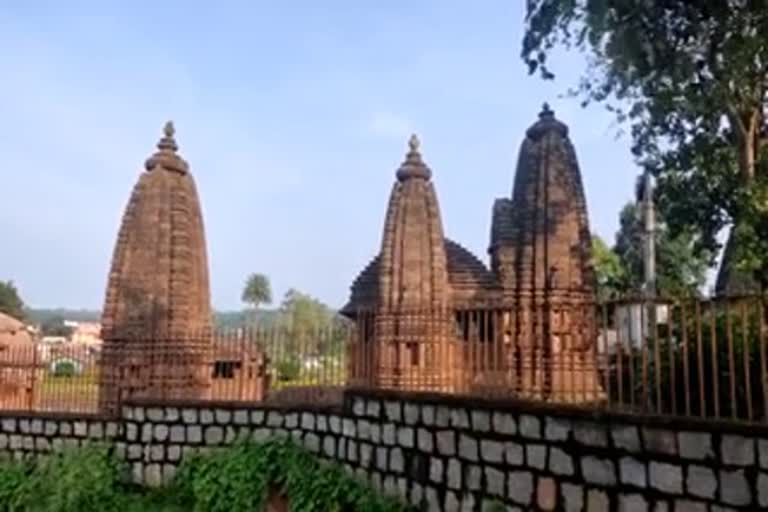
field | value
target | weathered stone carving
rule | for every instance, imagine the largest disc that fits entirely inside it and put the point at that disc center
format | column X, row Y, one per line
column 156, row 322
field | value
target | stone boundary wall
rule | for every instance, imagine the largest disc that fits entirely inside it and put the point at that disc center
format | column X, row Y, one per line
column 452, row 454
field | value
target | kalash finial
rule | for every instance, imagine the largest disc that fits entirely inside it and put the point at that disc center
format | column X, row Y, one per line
column 546, row 111
column 414, row 143
column 168, row 142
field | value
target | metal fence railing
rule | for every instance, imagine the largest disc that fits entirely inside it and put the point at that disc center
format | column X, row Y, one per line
column 691, row 358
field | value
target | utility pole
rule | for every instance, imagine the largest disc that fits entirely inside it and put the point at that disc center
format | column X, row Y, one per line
column 648, row 212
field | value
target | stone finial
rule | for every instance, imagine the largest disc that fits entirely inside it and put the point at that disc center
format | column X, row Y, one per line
column 546, row 123
column 546, row 112
column 167, row 156
column 414, row 166
column 414, row 143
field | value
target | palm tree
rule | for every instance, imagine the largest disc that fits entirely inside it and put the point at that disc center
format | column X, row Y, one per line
column 257, row 291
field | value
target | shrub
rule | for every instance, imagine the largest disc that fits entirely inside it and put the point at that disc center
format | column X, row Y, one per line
column 288, row 369
column 12, row 477
column 239, row 478
column 84, row 479
column 64, row 368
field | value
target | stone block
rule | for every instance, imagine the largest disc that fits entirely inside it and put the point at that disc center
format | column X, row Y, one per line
column 454, row 474
column 375, row 433
column 468, row 448
column 481, row 421
column 214, row 435
column 396, row 460
column 763, row 449
column 546, row 494
column 701, row 482
column 308, row 421
column 206, row 416
column 381, row 458
column 737, row 450
column 530, row 426
column 174, row 453
column 388, row 436
column 24, row 426
column 405, row 437
column 560, row 463
column 504, row 423
column 157, row 453
column 424, row 440
column 153, row 475
column 81, row 428
column 28, row 443
column 194, row 434
column 131, row 432
column 660, row 441
column 160, row 432
column 536, row 456
column 442, row 416
column 428, row 415
column 8, row 425
column 597, row 501
column 348, row 428
column 695, row 445
column 632, row 503
column 590, row 434
column 113, row 429
column 65, row 428
column 312, row 442
column 573, row 497
column 513, row 453
column 446, row 442
column 392, row 411
column 261, row 434
column 366, row 454
column 177, row 434
column 329, row 446
column 171, row 414
column 358, row 406
column 257, row 417
column 436, row 470
column 520, row 487
column 138, row 414
column 36, row 426
column 275, row 419
column 556, row 429
column 351, row 450
column 459, row 418
column 3, row 441
column 492, row 451
column 416, row 497
column 632, row 472
column 473, row 476
column 189, row 416
column 494, row 481
column 690, row 506
column 452, row 503
column 734, row 488
column 14, row 442
column 292, row 420
column 155, row 414
column 42, row 444
column 363, row 430
column 598, row 471
column 666, row 477
column 146, row 432
column 411, row 414
column 322, row 423
column 137, row 473
column 334, row 423
column 762, row 490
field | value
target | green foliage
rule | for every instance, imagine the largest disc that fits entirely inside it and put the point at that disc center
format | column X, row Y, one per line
column 54, row 326
column 86, row 479
column 10, row 301
column 689, row 79
column 257, row 290
column 12, row 477
column 608, row 269
column 64, row 368
column 288, row 368
column 239, row 478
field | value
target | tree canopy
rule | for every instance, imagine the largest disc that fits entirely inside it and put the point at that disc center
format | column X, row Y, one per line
column 690, row 79
column 257, row 290
column 10, row 301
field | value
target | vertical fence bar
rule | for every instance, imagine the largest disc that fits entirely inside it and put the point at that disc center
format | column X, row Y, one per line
column 731, row 359
column 686, row 369
column 746, row 357
column 656, row 360
column 713, row 344
column 672, row 360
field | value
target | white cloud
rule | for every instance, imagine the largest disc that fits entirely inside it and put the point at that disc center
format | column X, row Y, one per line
column 390, row 125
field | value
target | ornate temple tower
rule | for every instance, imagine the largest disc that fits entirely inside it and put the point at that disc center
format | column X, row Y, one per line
column 156, row 322
column 408, row 342
column 541, row 254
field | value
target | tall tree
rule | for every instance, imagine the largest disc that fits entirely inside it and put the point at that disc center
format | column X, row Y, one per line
column 257, row 291
column 608, row 269
column 691, row 80
column 10, row 300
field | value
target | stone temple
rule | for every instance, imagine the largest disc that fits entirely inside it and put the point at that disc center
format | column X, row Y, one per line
column 156, row 321
column 432, row 316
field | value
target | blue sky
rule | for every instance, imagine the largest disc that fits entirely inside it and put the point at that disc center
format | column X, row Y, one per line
column 294, row 117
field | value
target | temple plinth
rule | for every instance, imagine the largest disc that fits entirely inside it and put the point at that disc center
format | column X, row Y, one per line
column 541, row 255
column 156, row 321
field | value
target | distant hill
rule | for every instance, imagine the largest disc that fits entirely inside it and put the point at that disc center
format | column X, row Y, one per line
column 223, row 319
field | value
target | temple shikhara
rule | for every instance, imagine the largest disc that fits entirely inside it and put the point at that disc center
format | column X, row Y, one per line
column 431, row 316
column 156, row 321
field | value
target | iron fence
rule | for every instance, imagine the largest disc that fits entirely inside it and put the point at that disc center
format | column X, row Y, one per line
column 687, row 358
